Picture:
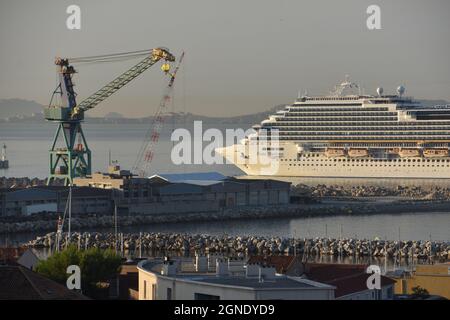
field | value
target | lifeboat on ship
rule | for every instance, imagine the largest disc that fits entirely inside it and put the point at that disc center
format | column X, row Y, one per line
column 392, row 151
column 408, row 153
column 334, row 152
column 435, row 153
column 355, row 153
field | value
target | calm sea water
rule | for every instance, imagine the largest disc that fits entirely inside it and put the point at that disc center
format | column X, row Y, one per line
column 406, row 226
column 28, row 146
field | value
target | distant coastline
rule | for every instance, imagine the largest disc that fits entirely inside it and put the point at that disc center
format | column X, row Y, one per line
column 24, row 111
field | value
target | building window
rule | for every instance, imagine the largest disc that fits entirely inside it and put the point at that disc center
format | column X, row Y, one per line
column 169, row 293
column 389, row 293
column 379, row 294
column 153, row 291
column 145, row 289
column 202, row 296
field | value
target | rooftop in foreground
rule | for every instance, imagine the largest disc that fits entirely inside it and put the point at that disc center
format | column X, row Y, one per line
column 241, row 280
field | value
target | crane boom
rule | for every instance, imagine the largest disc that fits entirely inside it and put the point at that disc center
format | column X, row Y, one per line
column 146, row 152
column 123, row 79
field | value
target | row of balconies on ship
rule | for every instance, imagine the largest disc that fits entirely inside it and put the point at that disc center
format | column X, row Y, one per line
column 356, row 128
column 359, row 138
column 308, row 110
column 363, row 98
column 337, row 113
column 317, row 125
column 331, row 119
column 366, row 133
column 369, row 114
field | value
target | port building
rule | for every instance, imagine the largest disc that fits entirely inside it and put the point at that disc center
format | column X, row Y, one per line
column 191, row 192
column 26, row 201
column 158, row 194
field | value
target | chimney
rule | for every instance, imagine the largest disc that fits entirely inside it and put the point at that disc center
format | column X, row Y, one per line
column 252, row 270
column 266, row 273
column 201, row 263
column 212, row 259
column 221, row 267
column 236, row 266
column 169, row 267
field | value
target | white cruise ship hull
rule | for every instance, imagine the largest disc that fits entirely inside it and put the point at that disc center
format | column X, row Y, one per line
column 345, row 135
column 292, row 165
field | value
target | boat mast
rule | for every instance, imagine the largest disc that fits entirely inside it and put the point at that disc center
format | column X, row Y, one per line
column 115, row 226
column 70, row 211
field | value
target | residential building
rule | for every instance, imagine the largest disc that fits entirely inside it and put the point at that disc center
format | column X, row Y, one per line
column 20, row 283
column 166, row 280
column 29, row 259
column 435, row 278
column 350, row 280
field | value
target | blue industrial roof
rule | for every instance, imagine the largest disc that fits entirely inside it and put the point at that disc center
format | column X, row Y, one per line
column 201, row 182
column 182, row 177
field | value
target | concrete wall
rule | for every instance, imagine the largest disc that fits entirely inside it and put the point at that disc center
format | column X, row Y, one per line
column 173, row 207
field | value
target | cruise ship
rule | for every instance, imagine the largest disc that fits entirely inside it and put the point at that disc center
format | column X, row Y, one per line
column 349, row 134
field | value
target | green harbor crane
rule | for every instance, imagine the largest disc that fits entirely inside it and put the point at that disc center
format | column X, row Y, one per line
column 70, row 155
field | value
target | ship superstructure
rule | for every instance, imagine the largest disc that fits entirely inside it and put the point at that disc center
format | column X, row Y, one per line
column 348, row 134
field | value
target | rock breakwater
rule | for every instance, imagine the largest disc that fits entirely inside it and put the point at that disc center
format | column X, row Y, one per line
column 247, row 245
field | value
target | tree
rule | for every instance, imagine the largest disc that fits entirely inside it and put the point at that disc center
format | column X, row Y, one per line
column 96, row 265
column 55, row 267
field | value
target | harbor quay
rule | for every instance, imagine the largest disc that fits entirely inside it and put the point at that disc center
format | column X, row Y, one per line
column 100, row 201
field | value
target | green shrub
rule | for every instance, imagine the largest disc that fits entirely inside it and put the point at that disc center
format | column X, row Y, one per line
column 95, row 264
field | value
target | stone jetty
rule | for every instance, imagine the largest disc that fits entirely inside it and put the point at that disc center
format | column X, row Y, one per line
column 47, row 222
column 247, row 245
column 363, row 191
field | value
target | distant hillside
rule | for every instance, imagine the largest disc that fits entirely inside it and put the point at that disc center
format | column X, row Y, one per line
column 114, row 115
column 18, row 108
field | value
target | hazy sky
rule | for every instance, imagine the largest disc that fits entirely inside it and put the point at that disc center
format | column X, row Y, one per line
column 242, row 56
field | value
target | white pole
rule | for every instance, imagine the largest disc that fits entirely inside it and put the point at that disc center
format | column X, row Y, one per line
column 4, row 152
column 70, row 210
column 140, row 245
column 115, row 227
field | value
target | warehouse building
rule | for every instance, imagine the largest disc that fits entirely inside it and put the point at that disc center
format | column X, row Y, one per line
column 26, row 201
column 158, row 194
column 186, row 192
